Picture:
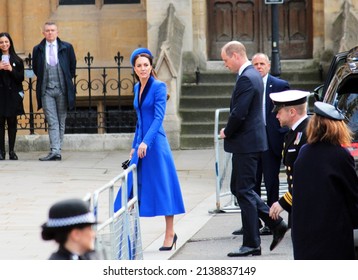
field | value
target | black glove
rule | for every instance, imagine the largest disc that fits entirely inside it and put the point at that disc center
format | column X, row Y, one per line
column 125, row 164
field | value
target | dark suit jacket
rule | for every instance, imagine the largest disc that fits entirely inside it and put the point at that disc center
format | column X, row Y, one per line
column 67, row 60
column 275, row 133
column 245, row 129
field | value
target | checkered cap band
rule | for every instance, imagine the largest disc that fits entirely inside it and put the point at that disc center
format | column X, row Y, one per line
column 87, row 218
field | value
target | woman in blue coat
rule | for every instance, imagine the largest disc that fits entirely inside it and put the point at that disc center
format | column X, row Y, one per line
column 158, row 185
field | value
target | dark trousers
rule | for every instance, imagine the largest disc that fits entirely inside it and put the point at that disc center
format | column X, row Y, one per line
column 269, row 166
column 243, row 180
column 11, row 130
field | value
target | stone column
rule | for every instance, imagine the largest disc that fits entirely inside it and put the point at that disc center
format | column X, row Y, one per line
column 3, row 15
column 15, row 23
column 168, row 39
column 200, row 32
column 157, row 12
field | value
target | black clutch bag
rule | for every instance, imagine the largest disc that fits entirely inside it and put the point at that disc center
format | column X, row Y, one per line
column 125, row 164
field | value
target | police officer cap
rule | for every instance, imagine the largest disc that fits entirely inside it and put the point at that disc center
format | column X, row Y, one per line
column 288, row 98
column 139, row 51
column 65, row 214
column 328, row 111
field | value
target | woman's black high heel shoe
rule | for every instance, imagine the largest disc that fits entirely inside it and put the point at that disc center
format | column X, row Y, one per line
column 164, row 248
column 13, row 156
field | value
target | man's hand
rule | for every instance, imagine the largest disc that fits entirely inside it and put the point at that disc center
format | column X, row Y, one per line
column 275, row 210
column 222, row 134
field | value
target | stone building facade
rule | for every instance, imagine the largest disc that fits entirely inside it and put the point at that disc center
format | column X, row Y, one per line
column 104, row 29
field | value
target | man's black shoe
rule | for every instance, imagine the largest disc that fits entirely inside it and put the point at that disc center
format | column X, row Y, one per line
column 238, row 232
column 50, row 156
column 278, row 234
column 245, row 251
column 265, row 230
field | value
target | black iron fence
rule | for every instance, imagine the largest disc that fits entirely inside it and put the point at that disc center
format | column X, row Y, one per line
column 104, row 98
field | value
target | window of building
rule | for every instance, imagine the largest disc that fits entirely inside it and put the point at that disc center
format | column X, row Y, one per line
column 121, row 1
column 77, row 2
column 92, row 2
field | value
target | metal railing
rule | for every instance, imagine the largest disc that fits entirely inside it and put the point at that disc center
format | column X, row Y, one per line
column 104, row 97
column 225, row 200
column 118, row 234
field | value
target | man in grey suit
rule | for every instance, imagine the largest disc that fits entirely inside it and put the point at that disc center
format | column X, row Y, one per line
column 245, row 137
column 54, row 64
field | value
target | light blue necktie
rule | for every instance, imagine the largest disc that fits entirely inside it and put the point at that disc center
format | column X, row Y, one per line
column 52, row 57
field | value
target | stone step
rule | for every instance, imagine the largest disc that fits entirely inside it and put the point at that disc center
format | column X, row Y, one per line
column 300, row 76
column 220, row 101
column 202, row 93
column 212, row 89
column 307, row 86
column 199, row 141
column 200, row 127
column 297, row 64
column 200, row 115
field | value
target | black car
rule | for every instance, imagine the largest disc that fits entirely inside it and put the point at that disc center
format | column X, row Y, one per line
column 341, row 89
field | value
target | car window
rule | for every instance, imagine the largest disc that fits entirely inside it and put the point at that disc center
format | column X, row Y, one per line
column 338, row 60
column 348, row 104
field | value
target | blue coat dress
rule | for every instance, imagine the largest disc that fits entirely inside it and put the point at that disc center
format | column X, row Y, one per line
column 158, row 185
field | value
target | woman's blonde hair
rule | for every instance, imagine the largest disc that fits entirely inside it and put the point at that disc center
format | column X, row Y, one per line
column 321, row 129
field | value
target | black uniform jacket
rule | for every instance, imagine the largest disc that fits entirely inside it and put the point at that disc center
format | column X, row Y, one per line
column 294, row 140
column 64, row 254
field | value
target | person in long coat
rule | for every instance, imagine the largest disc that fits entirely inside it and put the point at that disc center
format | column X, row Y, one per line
column 325, row 190
column 54, row 64
column 159, row 190
column 11, row 93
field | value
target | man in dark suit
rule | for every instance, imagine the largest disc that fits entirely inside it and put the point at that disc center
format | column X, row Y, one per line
column 270, row 161
column 291, row 109
column 54, row 64
column 245, row 137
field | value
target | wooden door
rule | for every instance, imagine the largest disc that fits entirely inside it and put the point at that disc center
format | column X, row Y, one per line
column 249, row 21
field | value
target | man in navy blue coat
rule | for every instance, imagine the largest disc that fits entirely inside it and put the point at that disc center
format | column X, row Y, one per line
column 270, row 162
column 245, row 137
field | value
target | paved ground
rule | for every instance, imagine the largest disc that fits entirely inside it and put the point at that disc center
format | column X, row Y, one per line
column 29, row 187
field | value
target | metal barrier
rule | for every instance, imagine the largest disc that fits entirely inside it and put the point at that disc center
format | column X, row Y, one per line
column 118, row 237
column 223, row 171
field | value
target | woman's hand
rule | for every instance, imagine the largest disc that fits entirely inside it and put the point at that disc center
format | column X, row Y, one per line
column 142, row 150
column 131, row 153
column 5, row 66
